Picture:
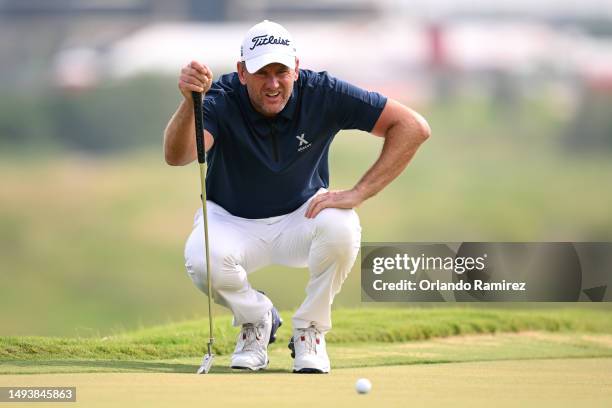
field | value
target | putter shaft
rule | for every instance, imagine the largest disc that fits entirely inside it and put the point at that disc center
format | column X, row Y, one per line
column 201, row 150
column 203, row 168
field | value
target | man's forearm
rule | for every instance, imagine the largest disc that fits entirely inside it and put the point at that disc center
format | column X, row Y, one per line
column 402, row 141
column 404, row 130
column 179, row 136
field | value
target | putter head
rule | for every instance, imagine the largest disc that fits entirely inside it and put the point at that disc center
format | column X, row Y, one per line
column 206, row 364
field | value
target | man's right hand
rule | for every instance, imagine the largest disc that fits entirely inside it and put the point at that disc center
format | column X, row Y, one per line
column 179, row 140
column 194, row 77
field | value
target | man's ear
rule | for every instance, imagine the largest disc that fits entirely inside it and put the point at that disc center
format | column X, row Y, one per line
column 241, row 69
column 297, row 68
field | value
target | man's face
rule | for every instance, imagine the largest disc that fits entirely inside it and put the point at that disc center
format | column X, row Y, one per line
column 269, row 88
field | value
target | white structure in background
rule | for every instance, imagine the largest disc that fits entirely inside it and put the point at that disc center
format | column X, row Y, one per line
column 344, row 48
column 165, row 48
column 372, row 52
column 393, row 51
column 77, row 68
column 532, row 9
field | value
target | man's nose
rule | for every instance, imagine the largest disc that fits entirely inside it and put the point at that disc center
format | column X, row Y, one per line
column 271, row 82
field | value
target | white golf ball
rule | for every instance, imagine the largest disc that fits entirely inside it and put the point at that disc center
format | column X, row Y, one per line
column 363, row 386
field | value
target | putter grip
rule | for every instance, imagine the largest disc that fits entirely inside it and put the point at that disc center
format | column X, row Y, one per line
column 199, row 125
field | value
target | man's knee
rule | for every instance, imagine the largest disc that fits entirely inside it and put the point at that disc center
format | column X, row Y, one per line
column 338, row 230
column 227, row 274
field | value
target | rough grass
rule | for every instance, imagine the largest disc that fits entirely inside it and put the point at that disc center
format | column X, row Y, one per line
column 353, row 326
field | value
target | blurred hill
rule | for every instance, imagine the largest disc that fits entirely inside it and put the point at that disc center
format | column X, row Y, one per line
column 109, row 118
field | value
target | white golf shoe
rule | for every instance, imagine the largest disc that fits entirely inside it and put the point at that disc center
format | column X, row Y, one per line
column 308, row 349
column 251, row 351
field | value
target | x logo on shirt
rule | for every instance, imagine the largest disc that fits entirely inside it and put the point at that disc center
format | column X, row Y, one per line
column 302, row 140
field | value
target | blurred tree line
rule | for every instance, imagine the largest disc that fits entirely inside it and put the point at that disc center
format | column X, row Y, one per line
column 120, row 115
column 111, row 117
column 591, row 127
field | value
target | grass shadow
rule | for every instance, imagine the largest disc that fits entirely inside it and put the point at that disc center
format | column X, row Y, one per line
column 109, row 366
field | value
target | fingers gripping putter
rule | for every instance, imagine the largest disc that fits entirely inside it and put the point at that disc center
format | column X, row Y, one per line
column 201, row 146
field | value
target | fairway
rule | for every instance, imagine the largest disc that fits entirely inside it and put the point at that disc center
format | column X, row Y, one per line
column 530, row 383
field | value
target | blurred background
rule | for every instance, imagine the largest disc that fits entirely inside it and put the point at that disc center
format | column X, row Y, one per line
column 93, row 222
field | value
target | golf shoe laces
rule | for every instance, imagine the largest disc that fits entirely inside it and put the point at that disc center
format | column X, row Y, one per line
column 251, row 336
column 308, row 337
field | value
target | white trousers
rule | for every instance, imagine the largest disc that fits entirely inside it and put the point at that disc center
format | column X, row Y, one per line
column 327, row 244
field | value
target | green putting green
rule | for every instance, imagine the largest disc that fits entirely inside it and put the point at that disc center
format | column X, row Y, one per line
column 528, row 383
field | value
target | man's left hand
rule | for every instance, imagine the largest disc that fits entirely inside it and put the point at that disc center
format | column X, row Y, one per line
column 333, row 199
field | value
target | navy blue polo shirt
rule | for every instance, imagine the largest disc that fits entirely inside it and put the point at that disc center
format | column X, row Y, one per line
column 260, row 167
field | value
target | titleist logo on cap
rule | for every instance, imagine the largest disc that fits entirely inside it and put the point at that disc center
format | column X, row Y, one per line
column 265, row 40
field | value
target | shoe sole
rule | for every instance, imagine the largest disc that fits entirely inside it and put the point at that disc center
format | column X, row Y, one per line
column 250, row 368
column 276, row 323
column 291, row 346
column 310, row 371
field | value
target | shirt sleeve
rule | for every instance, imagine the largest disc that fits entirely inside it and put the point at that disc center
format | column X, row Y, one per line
column 211, row 119
column 355, row 107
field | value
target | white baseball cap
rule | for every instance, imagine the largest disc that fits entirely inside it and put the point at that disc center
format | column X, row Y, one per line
column 265, row 43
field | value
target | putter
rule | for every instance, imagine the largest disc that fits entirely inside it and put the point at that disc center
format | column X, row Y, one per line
column 201, row 145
